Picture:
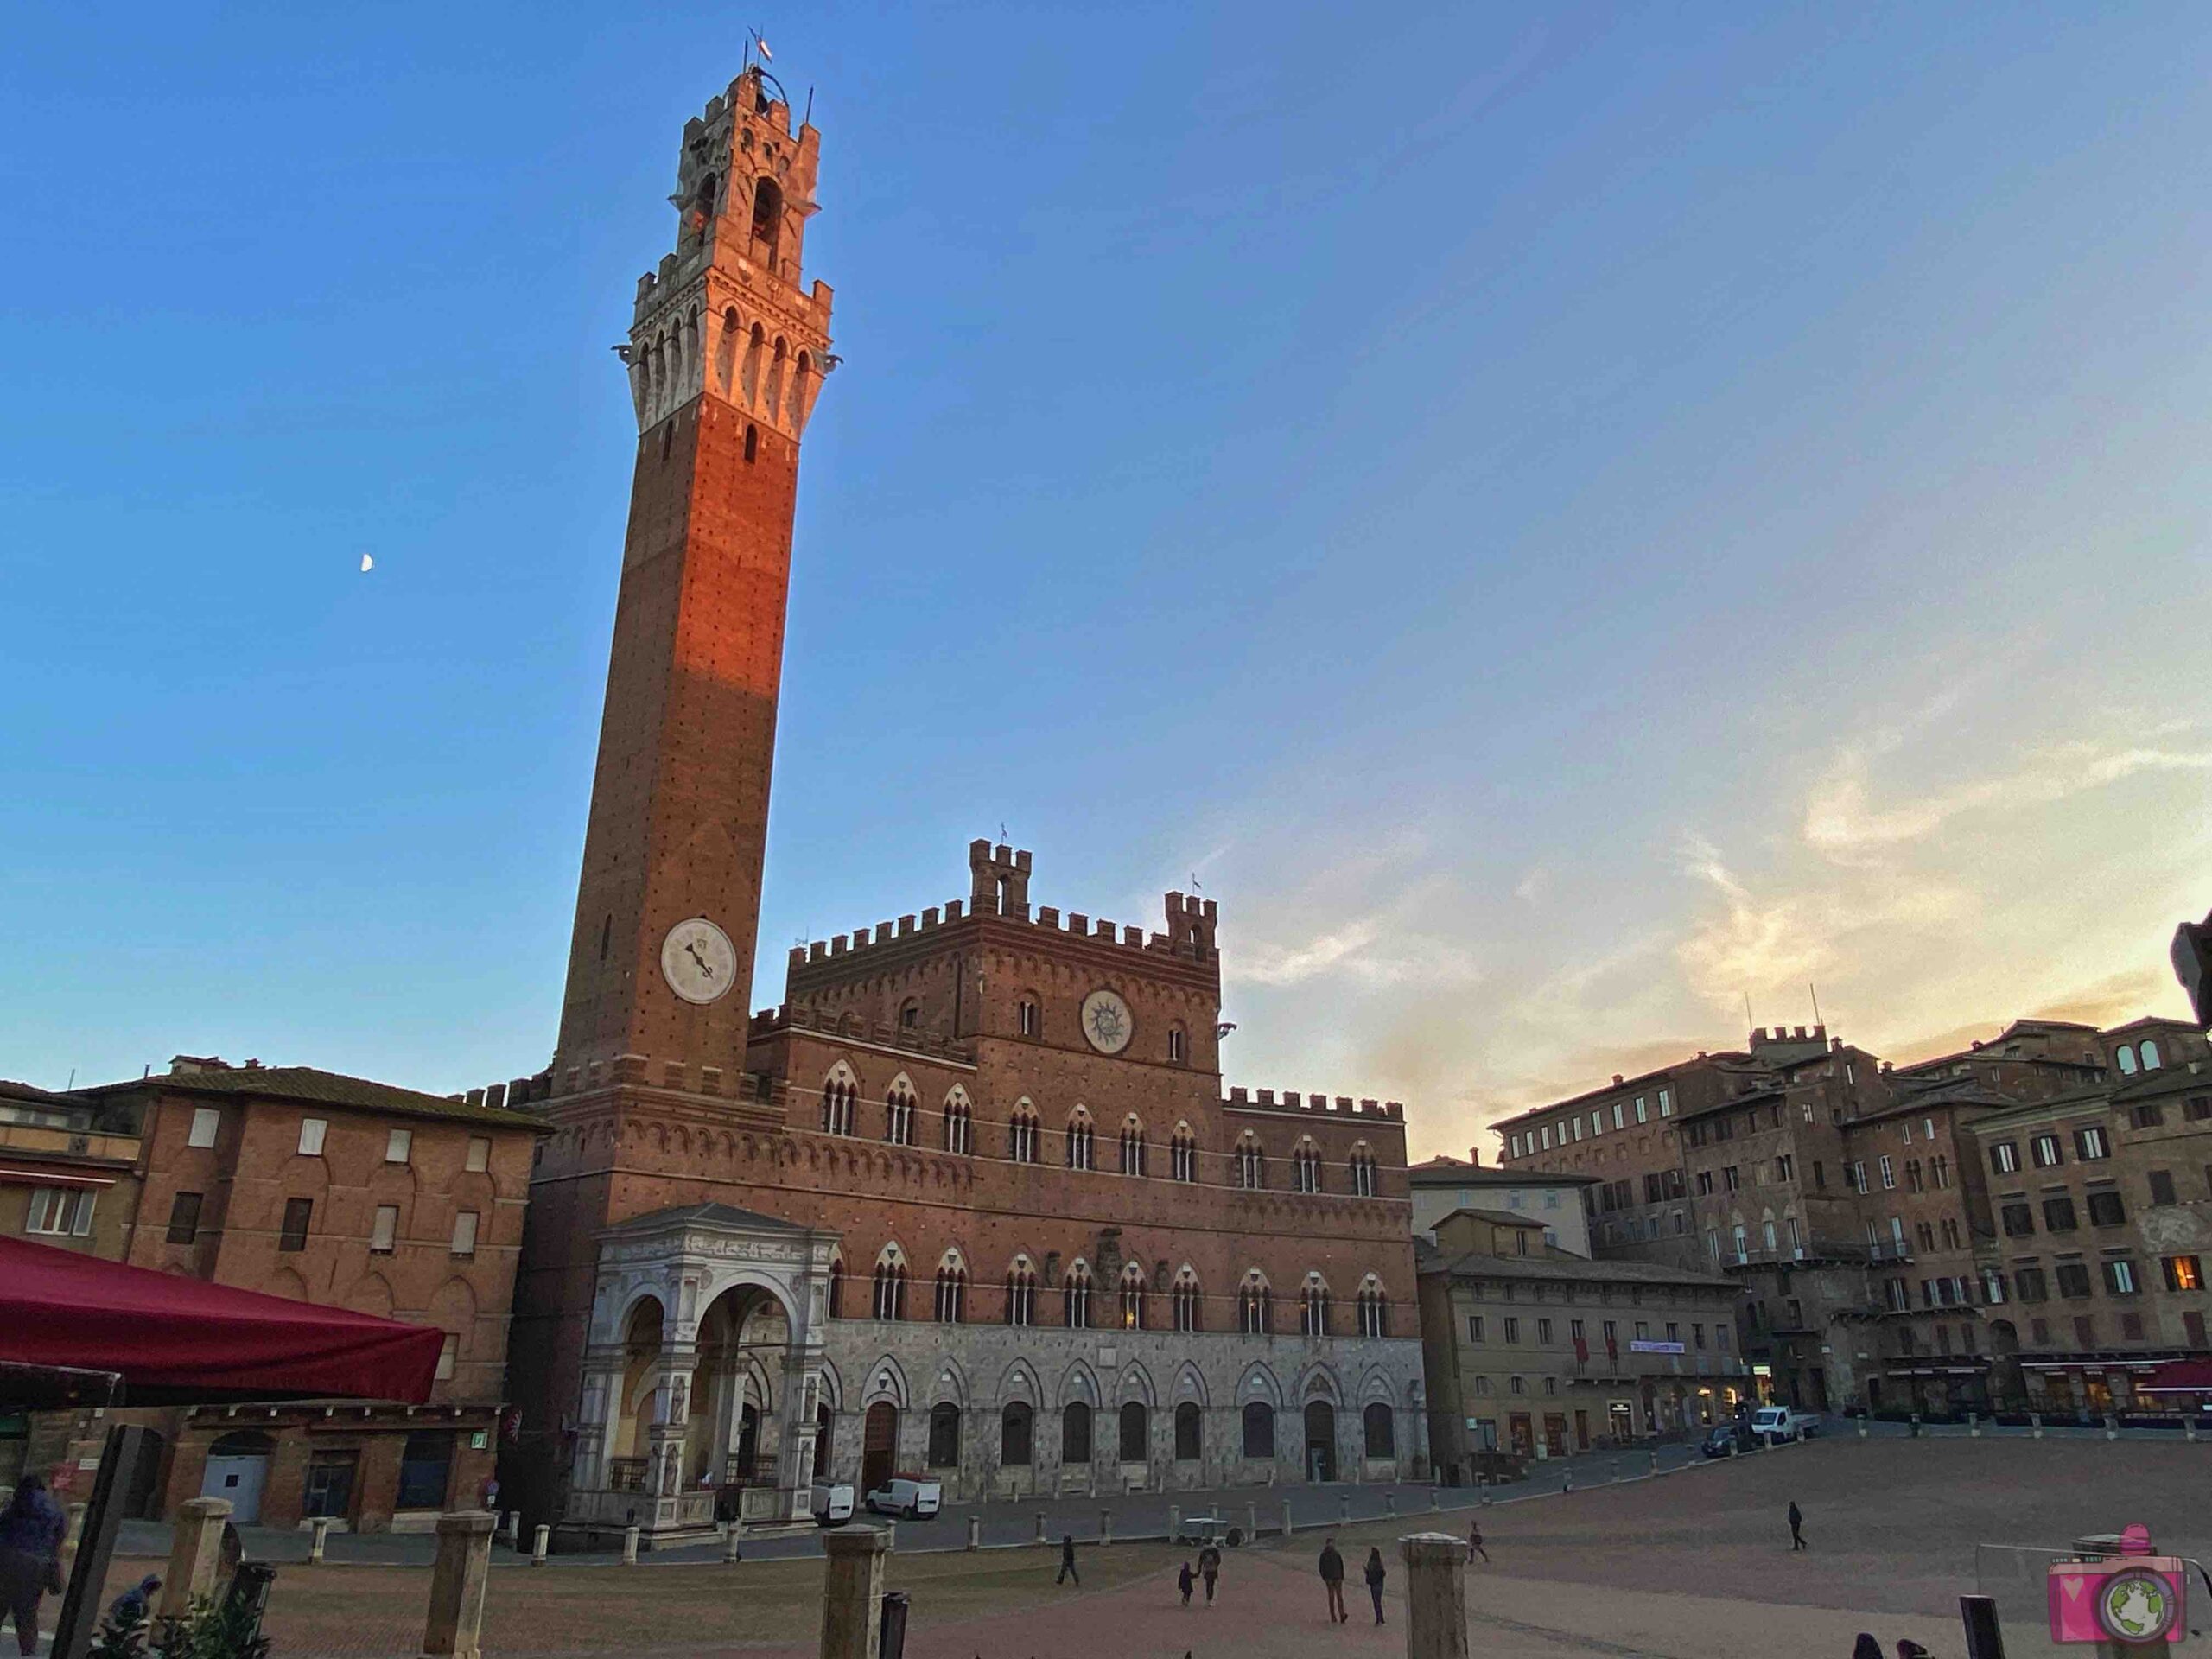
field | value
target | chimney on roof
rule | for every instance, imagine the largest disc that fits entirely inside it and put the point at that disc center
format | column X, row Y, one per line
column 1618, row 1078
column 183, row 1064
column 1475, row 1156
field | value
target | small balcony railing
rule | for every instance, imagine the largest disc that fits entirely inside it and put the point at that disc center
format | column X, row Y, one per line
column 625, row 1474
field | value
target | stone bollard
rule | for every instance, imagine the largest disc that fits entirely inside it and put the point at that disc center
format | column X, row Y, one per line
column 1105, row 1526
column 457, row 1616
column 1435, row 1499
column 1286, row 1518
column 733, row 1541
column 974, row 1532
column 629, row 1545
column 195, row 1554
column 1974, row 1424
column 891, row 1533
column 1251, row 1523
column 1617, row 1471
column 1566, row 1480
column 1864, row 1419
column 2111, row 1426
column 2188, row 1427
column 1390, row 1506
column 2035, row 1425
column 541, row 1544
column 1436, row 1595
column 1040, row 1530
column 322, row 1537
column 1654, row 1459
column 852, row 1595
column 1344, row 1508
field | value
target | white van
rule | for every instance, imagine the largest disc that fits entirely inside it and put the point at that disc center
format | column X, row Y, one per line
column 1774, row 1424
column 833, row 1504
column 910, row 1495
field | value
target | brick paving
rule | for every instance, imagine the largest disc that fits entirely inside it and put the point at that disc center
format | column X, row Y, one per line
column 1690, row 1565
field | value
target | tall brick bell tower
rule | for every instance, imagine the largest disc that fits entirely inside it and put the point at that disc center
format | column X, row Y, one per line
column 726, row 356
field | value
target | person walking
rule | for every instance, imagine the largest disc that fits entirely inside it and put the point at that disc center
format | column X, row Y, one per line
column 1209, row 1569
column 1067, row 1561
column 1375, row 1575
column 1797, row 1528
column 1867, row 1647
column 1475, row 1541
column 1333, row 1577
column 1185, row 1580
column 31, row 1530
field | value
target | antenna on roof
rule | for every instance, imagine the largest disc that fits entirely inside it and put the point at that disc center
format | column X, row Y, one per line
column 1747, row 1011
column 1816, row 1002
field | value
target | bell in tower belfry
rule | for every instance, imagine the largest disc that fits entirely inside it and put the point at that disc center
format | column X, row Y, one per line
column 726, row 356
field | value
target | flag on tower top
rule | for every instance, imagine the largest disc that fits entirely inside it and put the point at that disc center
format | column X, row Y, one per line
column 766, row 56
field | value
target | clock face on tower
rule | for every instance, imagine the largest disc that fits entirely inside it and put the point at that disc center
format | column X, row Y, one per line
column 698, row 960
column 1106, row 1022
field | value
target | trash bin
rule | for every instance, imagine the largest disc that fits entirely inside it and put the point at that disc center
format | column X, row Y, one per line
column 892, row 1644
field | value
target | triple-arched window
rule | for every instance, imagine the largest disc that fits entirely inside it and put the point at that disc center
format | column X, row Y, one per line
column 1075, row 1298
column 1254, row 1309
column 898, row 1115
column 838, row 1097
column 1132, row 1298
column 1374, row 1308
column 1183, row 1155
column 1183, row 1298
column 1021, row 1134
column 951, row 1289
column 1082, row 1142
column 959, row 1123
column 1313, row 1308
column 1021, row 1293
column 1251, row 1164
column 1362, row 1168
column 1305, row 1167
column 891, row 1284
column 1132, row 1146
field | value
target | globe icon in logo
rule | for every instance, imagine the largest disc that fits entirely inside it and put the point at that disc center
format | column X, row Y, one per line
column 2136, row 1607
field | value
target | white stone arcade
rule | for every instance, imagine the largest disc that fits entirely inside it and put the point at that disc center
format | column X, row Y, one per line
column 703, row 1389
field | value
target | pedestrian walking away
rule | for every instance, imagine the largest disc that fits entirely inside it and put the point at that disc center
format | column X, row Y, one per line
column 1184, row 1580
column 1376, row 1574
column 1067, row 1561
column 1332, row 1576
column 31, row 1529
column 1797, row 1527
column 1209, row 1567
column 1475, row 1540
column 1867, row 1647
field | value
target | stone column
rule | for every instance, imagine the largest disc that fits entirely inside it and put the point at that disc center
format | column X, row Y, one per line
column 1390, row 1505
column 1040, row 1527
column 1105, row 1526
column 1436, row 1596
column 322, row 1537
column 456, row 1615
column 629, row 1545
column 195, row 1553
column 795, row 1451
column 852, row 1595
column 974, row 1532
column 1251, row 1523
column 731, row 1542
column 602, row 1398
column 1344, row 1508
column 541, row 1542
column 1286, row 1517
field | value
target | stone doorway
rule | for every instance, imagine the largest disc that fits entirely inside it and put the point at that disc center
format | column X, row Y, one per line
column 879, row 1446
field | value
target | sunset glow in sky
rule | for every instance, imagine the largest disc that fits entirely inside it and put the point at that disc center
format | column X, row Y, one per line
column 1562, row 525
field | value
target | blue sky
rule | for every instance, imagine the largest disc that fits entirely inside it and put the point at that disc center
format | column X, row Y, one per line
column 1563, row 520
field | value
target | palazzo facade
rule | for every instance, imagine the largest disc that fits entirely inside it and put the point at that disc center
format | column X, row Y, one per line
column 972, row 1200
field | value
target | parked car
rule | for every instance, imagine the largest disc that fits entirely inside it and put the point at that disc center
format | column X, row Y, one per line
column 1199, row 1530
column 910, row 1495
column 1774, row 1424
column 833, row 1504
column 1726, row 1439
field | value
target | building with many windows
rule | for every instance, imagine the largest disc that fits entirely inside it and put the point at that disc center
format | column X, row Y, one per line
column 971, row 1200
column 1441, row 1185
column 1537, row 1352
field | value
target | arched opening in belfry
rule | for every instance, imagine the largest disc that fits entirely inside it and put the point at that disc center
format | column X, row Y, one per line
column 768, row 218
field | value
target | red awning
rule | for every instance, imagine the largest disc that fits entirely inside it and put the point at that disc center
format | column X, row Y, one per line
column 2179, row 1376
column 175, row 1340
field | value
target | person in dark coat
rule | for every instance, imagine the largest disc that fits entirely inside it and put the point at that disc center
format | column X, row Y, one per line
column 1375, row 1575
column 1475, row 1541
column 31, row 1530
column 1797, row 1527
column 1866, row 1647
column 1185, row 1581
column 1333, row 1577
column 1209, row 1568
column 1067, row 1561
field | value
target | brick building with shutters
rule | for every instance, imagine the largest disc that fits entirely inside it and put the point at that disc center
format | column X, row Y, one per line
column 355, row 1194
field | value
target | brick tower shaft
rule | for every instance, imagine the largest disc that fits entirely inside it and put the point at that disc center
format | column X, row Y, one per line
column 726, row 356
